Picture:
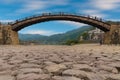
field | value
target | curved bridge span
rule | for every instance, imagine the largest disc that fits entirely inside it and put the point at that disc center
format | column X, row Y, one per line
column 93, row 21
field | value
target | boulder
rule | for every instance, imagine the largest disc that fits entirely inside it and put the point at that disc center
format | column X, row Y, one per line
column 55, row 68
column 73, row 72
column 6, row 77
column 83, row 67
column 65, row 78
column 33, row 76
column 31, row 70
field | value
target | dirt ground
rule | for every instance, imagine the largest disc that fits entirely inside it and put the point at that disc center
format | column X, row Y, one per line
column 53, row 62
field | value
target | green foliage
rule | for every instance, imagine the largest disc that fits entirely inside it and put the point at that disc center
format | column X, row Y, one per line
column 85, row 35
column 71, row 42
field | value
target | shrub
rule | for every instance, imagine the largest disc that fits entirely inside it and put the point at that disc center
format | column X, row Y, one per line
column 71, row 42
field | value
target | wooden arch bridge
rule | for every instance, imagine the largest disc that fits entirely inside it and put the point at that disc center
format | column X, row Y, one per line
column 9, row 31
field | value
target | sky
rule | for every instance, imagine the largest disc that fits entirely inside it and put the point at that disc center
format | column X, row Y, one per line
column 11, row 10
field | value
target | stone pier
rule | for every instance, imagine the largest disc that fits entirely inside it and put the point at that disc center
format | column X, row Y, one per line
column 8, row 36
column 112, row 36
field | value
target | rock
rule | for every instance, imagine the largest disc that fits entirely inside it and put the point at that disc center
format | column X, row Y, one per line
column 15, row 73
column 68, row 64
column 83, row 62
column 105, row 59
column 31, row 70
column 12, row 62
column 28, row 65
column 6, row 67
column 116, row 65
column 83, row 67
column 116, row 57
column 1, row 61
column 55, row 59
column 55, row 68
column 37, row 62
column 67, row 58
column 106, row 55
column 108, row 68
column 73, row 72
column 44, row 77
column 5, row 72
column 94, row 76
column 83, row 75
column 96, row 55
column 47, row 63
column 65, row 78
column 113, row 77
column 33, row 76
column 6, row 77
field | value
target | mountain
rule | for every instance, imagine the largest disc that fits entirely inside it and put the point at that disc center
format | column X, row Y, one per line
column 54, row 39
column 31, row 37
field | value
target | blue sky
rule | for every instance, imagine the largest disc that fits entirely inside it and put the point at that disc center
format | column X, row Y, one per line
column 11, row 10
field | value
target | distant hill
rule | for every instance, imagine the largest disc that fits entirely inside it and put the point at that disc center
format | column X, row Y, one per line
column 54, row 39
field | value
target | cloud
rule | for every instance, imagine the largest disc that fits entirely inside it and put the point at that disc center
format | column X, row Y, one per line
column 113, row 19
column 7, row 1
column 75, row 24
column 34, row 5
column 94, row 13
column 5, row 21
column 105, row 4
column 97, row 7
column 41, row 32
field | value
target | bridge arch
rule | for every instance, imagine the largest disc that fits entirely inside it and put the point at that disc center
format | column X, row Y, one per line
column 20, row 24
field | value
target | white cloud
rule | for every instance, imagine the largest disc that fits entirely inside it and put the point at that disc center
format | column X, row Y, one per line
column 33, row 5
column 4, row 21
column 113, row 19
column 97, row 7
column 105, row 4
column 94, row 13
column 41, row 32
column 76, row 24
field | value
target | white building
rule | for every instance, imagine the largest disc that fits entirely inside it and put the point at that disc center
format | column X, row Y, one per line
column 95, row 34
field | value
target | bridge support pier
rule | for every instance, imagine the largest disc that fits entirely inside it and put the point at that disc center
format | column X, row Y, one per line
column 8, row 36
column 112, row 36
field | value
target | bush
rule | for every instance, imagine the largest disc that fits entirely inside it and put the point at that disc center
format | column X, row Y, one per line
column 85, row 35
column 71, row 42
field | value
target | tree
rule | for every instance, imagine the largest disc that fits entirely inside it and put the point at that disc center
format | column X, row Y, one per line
column 85, row 35
column 71, row 42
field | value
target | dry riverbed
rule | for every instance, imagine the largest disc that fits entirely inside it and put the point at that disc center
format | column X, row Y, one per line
column 50, row 62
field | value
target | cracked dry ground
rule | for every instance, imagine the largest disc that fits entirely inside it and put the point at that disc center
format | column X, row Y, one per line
column 47, row 62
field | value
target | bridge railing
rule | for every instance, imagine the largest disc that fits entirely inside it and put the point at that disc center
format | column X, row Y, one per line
column 58, row 13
